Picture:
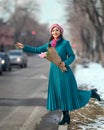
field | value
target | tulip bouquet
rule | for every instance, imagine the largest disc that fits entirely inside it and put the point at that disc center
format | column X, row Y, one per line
column 53, row 56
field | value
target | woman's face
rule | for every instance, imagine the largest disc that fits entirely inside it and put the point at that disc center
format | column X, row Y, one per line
column 56, row 32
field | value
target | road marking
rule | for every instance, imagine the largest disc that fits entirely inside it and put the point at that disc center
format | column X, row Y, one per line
column 39, row 77
column 30, row 117
column 9, row 116
column 34, row 118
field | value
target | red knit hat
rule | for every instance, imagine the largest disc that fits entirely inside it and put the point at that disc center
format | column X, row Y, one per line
column 58, row 26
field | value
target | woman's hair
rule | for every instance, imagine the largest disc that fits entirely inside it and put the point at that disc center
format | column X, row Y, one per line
column 51, row 38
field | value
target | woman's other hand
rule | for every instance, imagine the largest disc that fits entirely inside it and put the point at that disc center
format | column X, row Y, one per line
column 62, row 64
column 62, row 67
column 19, row 45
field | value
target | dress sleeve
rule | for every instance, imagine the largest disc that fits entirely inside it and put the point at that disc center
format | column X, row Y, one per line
column 70, row 54
column 36, row 50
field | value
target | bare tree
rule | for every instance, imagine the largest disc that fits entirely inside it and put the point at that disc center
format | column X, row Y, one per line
column 19, row 13
column 80, row 29
column 22, row 16
column 94, row 10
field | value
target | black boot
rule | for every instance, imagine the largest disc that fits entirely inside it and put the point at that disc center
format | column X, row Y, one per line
column 95, row 94
column 65, row 119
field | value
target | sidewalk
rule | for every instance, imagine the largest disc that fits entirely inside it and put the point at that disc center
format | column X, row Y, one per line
column 89, row 117
column 63, row 127
column 50, row 122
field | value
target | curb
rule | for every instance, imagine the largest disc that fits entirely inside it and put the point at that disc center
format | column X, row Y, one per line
column 62, row 127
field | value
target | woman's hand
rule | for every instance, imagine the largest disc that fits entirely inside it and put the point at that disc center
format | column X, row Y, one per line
column 19, row 45
column 62, row 64
column 62, row 67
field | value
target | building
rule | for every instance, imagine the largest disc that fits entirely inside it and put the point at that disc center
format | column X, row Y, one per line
column 6, row 37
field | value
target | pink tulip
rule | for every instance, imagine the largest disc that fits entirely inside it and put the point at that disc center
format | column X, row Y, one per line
column 43, row 55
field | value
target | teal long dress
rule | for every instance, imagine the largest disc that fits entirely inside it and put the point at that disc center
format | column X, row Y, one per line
column 63, row 93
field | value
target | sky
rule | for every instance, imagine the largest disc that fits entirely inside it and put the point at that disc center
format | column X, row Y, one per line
column 52, row 11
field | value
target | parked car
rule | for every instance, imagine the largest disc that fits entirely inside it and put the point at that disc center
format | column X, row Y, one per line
column 5, row 61
column 1, row 70
column 18, row 57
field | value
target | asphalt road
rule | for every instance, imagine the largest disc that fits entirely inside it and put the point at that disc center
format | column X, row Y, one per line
column 23, row 94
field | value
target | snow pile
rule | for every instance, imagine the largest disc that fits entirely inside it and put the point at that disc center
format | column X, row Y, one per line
column 98, row 125
column 93, row 77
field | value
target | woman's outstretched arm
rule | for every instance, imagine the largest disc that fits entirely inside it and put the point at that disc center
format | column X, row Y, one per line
column 31, row 49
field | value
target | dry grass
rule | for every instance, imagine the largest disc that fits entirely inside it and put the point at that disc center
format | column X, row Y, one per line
column 86, row 115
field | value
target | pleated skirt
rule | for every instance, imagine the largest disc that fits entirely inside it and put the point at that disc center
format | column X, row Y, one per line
column 63, row 93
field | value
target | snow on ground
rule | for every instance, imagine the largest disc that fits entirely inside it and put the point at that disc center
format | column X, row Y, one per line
column 93, row 77
column 90, row 117
column 98, row 125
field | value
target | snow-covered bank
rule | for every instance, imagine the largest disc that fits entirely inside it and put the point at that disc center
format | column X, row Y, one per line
column 90, row 117
column 93, row 77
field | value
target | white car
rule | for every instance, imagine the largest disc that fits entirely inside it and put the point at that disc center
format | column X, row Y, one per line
column 1, row 70
column 18, row 57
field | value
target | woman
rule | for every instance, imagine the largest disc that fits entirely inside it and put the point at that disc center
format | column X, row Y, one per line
column 63, row 93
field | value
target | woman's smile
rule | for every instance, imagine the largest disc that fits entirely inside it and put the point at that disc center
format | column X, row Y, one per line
column 56, row 32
